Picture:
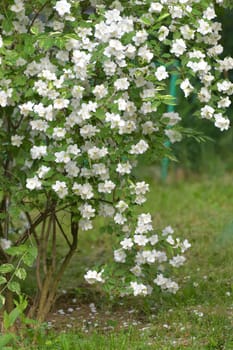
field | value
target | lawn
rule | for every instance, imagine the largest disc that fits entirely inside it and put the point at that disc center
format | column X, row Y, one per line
column 199, row 317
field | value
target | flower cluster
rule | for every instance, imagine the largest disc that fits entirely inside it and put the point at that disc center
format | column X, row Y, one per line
column 146, row 253
column 88, row 96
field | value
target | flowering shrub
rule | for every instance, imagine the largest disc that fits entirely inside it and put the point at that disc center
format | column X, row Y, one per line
column 83, row 93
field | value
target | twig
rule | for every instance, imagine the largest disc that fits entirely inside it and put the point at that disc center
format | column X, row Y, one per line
column 36, row 15
column 62, row 231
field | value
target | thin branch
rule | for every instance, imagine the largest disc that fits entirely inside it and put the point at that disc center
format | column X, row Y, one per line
column 29, row 231
column 45, row 241
column 65, row 263
column 37, row 14
column 54, row 252
column 32, row 227
column 38, row 276
column 62, row 231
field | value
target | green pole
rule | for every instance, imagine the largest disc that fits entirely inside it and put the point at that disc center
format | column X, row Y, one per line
column 171, row 108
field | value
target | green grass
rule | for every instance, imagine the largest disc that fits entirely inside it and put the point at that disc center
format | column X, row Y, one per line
column 200, row 316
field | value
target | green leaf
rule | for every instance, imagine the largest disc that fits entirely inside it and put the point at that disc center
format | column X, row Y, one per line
column 17, row 251
column 147, row 20
column 30, row 256
column 100, row 113
column 2, row 301
column 7, row 25
column 14, row 287
column 34, row 30
column 21, row 273
column 9, row 319
column 5, row 268
column 29, row 47
column 162, row 17
column 46, row 43
column 2, row 280
column 5, row 339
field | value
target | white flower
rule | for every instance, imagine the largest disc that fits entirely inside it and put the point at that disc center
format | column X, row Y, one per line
column 225, row 86
column 106, row 187
column 122, row 206
column 209, row 13
column 225, row 64
column 136, row 270
column 148, row 128
column 140, row 240
column 93, row 276
column 96, row 153
column 85, row 191
column 60, row 103
column 101, row 170
column 145, row 53
column 42, row 171
column 109, row 67
column 127, row 127
column 185, row 245
column 5, row 243
column 173, row 135
column 1, row 41
column 121, row 84
column 139, row 289
column 204, row 95
column 62, row 7
column 186, row 87
column 60, row 188
column 140, row 148
column 177, row 261
column 163, row 33
column 119, row 256
column 59, row 133
column 62, row 157
column 170, row 240
column 221, row 122
column 26, row 108
column 144, row 224
column 153, row 239
column 72, row 169
column 17, row 140
column 33, row 183
column 87, row 211
column 155, row 7
column 140, row 37
column 100, row 91
column 207, row 112
column 120, row 219
column 178, row 47
column 173, row 118
column 224, row 102
column 127, row 243
column 114, row 119
column 38, row 152
column 88, row 131
column 161, row 73
column 73, row 149
column 166, row 284
column 124, row 168
column 167, row 231
column 3, row 98
column 204, row 27
column 18, row 6
column 85, row 224
column 39, row 125
column 187, row 32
